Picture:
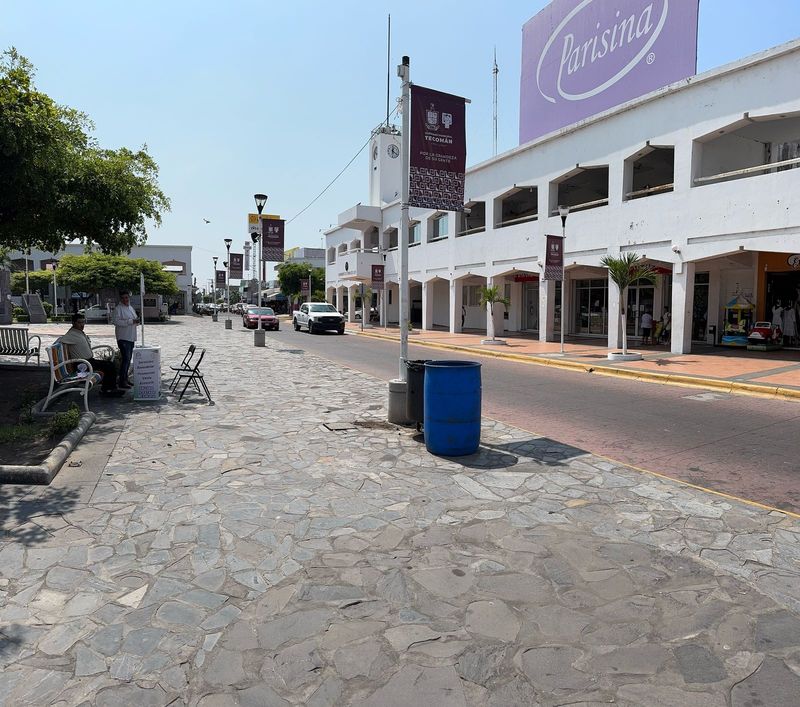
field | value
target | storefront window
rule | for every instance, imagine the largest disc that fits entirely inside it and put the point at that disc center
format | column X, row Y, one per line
column 591, row 306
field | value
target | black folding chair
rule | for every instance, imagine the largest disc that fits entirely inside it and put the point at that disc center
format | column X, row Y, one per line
column 193, row 375
column 182, row 366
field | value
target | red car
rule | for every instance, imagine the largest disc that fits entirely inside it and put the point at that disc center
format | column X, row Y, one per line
column 263, row 317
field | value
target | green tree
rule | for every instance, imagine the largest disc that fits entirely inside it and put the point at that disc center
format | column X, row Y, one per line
column 39, row 280
column 58, row 184
column 96, row 271
column 624, row 271
column 489, row 297
column 290, row 274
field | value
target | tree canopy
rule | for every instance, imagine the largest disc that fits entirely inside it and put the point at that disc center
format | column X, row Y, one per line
column 38, row 279
column 58, row 184
column 96, row 271
column 290, row 274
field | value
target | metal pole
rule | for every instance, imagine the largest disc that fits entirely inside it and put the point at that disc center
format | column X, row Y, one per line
column 404, row 72
column 563, row 280
column 362, row 306
column 27, row 281
column 55, row 292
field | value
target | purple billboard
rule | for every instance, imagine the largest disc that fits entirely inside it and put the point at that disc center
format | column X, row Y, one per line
column 582, row 57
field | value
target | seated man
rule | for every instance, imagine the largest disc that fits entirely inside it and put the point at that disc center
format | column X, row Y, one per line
column 80, row 347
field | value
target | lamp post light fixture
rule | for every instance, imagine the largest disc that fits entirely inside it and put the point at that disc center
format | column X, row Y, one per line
column 261, row 200
column 228, row 322
column 563, row 212
column 214, row 315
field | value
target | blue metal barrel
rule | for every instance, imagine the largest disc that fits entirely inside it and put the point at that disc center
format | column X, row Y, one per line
column 452, row 407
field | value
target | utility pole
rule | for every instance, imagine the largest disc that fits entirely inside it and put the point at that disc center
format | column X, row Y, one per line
column 404, row 72
column 495, row 71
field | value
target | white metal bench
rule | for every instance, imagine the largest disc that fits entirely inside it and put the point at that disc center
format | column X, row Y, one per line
column 65, row 376
column 14, row 341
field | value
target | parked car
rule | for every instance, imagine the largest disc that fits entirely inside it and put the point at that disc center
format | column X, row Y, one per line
column 318, row 317
column 95, row 313
column 264, row 317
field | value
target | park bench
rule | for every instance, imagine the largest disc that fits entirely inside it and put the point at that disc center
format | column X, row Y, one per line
column 14, row 341
column 65, row 376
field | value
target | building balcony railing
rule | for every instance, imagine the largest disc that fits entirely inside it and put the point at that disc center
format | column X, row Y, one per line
column 358, row 264
column 747, row 171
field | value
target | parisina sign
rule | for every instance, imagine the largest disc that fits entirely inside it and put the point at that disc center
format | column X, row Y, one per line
column 582, row 57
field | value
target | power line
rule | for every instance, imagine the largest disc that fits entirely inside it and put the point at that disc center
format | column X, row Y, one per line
column 344, row 169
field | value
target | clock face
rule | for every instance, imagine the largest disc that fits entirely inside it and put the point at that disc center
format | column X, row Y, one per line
column 393, row 151
column 375, row 152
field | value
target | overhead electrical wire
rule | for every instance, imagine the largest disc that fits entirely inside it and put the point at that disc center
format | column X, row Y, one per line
column 344, row 169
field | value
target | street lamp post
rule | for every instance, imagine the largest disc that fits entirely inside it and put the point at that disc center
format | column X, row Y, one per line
column 228, row 322
column 261, row 200
column 563, row 211
column 214, row 315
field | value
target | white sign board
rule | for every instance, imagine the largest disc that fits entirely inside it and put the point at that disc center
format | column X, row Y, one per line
column 147, row 373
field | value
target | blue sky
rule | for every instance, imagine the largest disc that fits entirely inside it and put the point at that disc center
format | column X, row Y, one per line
column 243, row 96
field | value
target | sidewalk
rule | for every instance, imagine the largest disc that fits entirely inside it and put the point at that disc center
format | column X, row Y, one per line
column 773, row 373
column 245, row 553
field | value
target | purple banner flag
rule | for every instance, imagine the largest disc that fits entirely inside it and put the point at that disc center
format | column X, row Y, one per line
column 438, row 150
column 378, row 277
column 582, row 57
column 237, row 266
column 554, row 258
column 272, row 231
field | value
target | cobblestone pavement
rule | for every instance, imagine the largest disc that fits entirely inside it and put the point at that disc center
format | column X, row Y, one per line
column 244, row 554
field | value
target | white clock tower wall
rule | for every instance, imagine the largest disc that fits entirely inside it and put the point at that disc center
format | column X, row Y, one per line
column 384, row 167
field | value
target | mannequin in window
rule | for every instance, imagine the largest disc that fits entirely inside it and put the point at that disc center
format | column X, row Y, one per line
column 789, row 325
column 777, row 314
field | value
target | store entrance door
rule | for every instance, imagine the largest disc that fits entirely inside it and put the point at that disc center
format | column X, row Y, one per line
column 531, row 311
column 640, row 300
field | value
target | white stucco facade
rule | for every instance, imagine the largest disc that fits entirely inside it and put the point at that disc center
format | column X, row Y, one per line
column 652, row 176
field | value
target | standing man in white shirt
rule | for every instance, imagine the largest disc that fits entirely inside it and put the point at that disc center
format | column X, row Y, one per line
column 125, row 321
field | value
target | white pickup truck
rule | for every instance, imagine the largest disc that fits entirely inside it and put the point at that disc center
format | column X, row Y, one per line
column 318, row 317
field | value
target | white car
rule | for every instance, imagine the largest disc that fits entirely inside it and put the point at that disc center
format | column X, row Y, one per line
column 318, row 317
column 95, row 313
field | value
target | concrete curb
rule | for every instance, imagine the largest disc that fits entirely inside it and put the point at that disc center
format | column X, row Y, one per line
column 45, row 472
column 715, row 384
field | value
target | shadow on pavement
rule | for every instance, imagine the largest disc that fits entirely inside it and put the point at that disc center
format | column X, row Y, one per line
column 23, row 515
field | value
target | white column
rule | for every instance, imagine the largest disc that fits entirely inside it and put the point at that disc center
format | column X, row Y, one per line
column 614, row 329
column 547, row 310
column 340, row 299
column 427, row 305
column 682, row 306
column 456, row 297
column 351, row 302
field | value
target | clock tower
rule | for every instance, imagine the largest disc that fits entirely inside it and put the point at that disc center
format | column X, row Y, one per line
column 384, row 166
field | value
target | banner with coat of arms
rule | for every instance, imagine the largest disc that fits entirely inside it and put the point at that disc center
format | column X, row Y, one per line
column 554, row 258
column 438, row 150
column 272, row 234
column 237, row 266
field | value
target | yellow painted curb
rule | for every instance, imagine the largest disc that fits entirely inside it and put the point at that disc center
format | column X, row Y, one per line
column 684, row 381
column 697, row 487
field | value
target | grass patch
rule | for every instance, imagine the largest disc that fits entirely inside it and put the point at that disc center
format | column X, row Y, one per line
column 24, row 432
column 64, row 422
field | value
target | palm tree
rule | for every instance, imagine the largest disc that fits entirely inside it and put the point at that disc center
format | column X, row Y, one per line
column 624, row 271
column 489, row 297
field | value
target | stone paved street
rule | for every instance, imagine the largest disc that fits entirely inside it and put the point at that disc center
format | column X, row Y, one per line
column 242, row 553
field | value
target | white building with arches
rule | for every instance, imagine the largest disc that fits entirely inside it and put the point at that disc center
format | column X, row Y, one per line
column 701, row 177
